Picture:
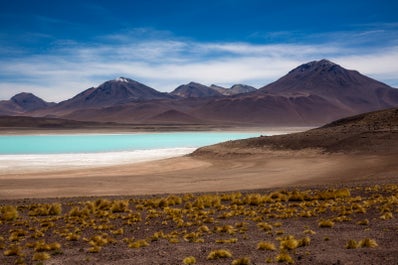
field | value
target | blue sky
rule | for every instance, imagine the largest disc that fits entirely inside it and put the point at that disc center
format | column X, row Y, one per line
column 56, row 49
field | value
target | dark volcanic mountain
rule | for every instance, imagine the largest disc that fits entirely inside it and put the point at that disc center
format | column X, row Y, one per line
column 344, row 88
column 234, row 90
column 195, row 90
column 21, row 103
column 113, row 92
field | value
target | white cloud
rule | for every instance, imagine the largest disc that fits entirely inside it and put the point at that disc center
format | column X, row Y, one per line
column 165, row 64
column 380, row 64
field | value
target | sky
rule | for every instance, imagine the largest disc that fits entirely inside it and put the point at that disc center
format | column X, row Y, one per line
column 56, row 49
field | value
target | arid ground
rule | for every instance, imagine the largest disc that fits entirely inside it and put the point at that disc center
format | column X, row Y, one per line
column 325, row 196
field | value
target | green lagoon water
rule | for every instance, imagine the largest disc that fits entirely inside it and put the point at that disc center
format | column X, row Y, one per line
column 103, row 143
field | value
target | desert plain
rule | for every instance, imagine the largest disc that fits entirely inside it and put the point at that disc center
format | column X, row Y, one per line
column 323, row 196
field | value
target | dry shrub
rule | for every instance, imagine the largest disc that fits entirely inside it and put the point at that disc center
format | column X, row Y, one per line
column 13, row 250
column 264, row 226
column 241, row 261
column 289, row 243
column 139, row 244
column 368, row 243
column 326, row 224
column 351, row 244
column 262, row 245
column 38, row 256
column 189, row 260
column 284, row 257
column 219, row 253
column 9, row 213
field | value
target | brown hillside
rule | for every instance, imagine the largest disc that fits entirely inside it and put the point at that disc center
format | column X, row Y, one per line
column 375, row 132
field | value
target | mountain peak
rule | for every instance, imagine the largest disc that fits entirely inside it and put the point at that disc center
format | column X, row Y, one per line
column 195, row 90
column 334, row 83
column 233, row 90
column 22, row 95
column 29, row 101
column 322, row 65
column 123, row 79
column 116, row 91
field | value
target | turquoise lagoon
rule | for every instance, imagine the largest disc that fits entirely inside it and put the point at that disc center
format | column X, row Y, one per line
column 100, row 143
column 20, row 153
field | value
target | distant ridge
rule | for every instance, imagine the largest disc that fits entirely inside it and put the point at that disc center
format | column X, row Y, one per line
column 313, row 93
column 195, row 90
column 234, row 90
column 23, row 102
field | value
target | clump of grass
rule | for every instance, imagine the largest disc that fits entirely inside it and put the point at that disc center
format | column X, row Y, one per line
column 333, row 194
column 386, row 216
column 289, row 243
column 102, row 204
column 264, row 226
column 13, row 250
column 219, row 254
column 368, row 243
column 45, row 209
column 364, row 243
column 120, row 206
column 17, row 234
column 41, row 246
column 363, row 222
column 241, row 261
column 351, row 244
column 326, row 224
column 139, row 244
column 229, row 229
column 226, row 241
column 39, row 256
column 118, row 231
column 304, row 241
column 9, row 213
column 193, row 237
column 94, row 249
column 189, row 260
column 20, row 260
column 72, row 237
column 263, row 245
column 309, row 232
column 284, row 257
column 204, row 228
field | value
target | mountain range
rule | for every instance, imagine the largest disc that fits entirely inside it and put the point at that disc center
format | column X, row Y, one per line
column 311, row 94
